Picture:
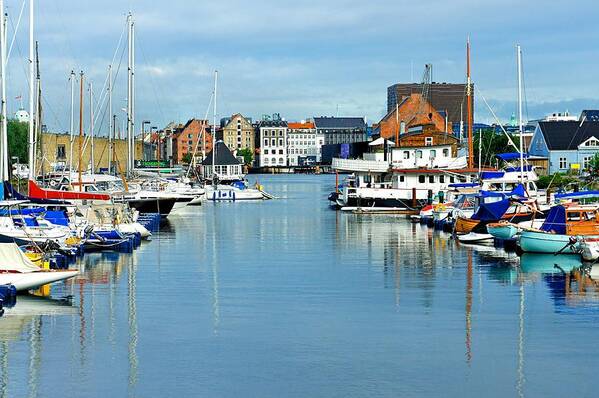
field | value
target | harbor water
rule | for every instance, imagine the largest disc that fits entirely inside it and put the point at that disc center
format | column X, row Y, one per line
column 288, row 298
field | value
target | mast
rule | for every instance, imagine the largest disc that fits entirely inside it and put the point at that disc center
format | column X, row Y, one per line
column 80, row 130
column 469, row 106
column 91, row 125
column 214, row 176
column 132, row 157
column 111, row 121
column 480, row 152
column 72, row 124
column 129, row 92
column 520, row 122
column 31, row 95
column 4, row 131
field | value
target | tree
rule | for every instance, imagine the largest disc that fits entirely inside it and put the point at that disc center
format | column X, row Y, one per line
column 17, row 140
column 492, row 144
column 248, row 156
column 186, row 158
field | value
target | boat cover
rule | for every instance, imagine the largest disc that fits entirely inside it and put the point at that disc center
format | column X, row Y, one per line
column 494, row 210
column 555, row 220
column 578, row 195
column 511, row 156
column 13, row 259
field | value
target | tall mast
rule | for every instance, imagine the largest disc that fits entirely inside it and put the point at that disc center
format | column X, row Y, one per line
column 111, row 120
column 129, row 92
column 80, row 130
column 72, row 124
column 4, row 131
column 91, row 125
column 31, row 95
column 132, row 157
column 469, row 106
column 520, row 122
column 214, row 176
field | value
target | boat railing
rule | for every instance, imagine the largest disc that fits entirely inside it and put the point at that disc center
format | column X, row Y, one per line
column 359, row 165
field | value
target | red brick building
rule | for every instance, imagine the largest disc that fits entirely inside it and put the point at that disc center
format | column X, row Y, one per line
column 190, row 138
column 411, row 111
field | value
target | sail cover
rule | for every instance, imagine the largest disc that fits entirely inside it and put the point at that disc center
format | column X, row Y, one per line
column 555, row 221
column 14, row 260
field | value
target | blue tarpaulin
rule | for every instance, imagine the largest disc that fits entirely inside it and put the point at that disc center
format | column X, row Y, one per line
column 578, row 195
column 555, row 220
column 487, row 175
column 511, row 156
column 464, row 185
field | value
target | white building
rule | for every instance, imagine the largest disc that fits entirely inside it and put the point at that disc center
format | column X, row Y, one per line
column 302, row 144
column 273, row 143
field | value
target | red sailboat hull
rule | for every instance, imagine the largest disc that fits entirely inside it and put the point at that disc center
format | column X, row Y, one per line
column 35, row 191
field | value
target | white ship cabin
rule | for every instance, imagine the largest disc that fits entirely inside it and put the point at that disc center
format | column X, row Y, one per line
column 227, row 166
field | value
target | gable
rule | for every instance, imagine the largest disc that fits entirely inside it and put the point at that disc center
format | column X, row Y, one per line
column 538, row 146
column 591, row 143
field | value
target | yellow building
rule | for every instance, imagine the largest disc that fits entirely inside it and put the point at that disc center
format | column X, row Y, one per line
column 239, row 133
column 55, row 149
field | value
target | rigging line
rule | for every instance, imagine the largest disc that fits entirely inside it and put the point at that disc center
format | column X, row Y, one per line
column 497, row 120
column 153, row 83
column 69, row 49
column 104, row 86
column 14, row 36
column 25, row 72
column 195, row 150
column 524, row 87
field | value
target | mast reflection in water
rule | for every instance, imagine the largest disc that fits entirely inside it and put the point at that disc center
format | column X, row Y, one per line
column 290, row 298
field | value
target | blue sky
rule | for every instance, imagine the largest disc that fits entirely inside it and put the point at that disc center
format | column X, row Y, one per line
column 306, row 58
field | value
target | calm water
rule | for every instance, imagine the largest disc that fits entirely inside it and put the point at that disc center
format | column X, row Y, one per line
column 289, row 298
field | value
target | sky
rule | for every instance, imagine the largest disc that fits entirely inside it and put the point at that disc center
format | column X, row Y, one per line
column 306, row 58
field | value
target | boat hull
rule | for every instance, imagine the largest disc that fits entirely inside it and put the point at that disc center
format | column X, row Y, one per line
column 544, row 242
column 33, row 280
column 163, row 206
column 502, row 230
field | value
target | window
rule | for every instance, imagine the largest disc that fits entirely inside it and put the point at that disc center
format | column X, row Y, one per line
column 402, row 178
column 266, row 151
column 419, row 154
column 273, row 142
column 61, row 152
column 563, row 164
column 280, row 151
column 280, row 142
column 451, row 179
column 442, row 179
column 266, row 142
column 281, row 161
column 433, row 153
column 585, row 162
column 428, row 141
column 445, row 153
column 592, row 142
column 189, row 135
column 431, row 179
column 421, row 179
column 265, row 160
column 190, row 142
column 406, row 154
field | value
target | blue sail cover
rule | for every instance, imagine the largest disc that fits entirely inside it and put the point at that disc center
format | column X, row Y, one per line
column 464, row 185
column 526, row 168
column 511, row 156
column 518, row 191
column 493, row 211
column 488, row 175
column 555, row 220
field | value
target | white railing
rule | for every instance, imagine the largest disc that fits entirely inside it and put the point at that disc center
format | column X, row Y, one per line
column 360, row 165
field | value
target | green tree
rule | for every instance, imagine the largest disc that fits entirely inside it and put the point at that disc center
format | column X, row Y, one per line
column 492, row 144
column 186, row 158
column 17, row 140
column 248, row 155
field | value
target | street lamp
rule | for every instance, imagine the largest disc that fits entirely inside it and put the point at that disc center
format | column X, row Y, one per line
column 143, row 139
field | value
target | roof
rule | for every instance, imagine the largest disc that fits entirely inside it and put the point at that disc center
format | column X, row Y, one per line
column 340, row 122
column 223, row 156
column 297, row 126
column 590, row 115
column 567, row 135
column 272, row 123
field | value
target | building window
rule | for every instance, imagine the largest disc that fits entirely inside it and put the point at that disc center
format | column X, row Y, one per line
column 446, row 153
column 281, row 161
column 266, row 151
column 421, row 179
column 61, row 152
column 442, row 179
column 280, row 142
column 433, row 153
column 265, row 142
column 563, row 164
column 419, row 154
column 431, row 179
column 280, row 151
column 273, row 142
column 402, row 178
column 428, row 141
column 451, row 179
column 585, row 162
column 406, row 154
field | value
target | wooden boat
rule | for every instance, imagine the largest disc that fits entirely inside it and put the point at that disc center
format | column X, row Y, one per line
column 507, row 230
column 566, row 227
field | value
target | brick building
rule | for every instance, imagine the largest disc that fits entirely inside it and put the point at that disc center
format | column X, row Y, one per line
column 411, row 111
column 190, row 138
column 446, row 98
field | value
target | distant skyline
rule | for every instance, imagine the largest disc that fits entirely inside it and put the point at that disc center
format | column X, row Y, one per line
column 308, row 58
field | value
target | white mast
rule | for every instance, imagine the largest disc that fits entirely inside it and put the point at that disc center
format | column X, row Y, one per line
column 31, row 95
column 91, row 125
column 129, row 92
column 72, row 124
column 4, row 132
column 520, row 122
column 132, row 158
column 111, row 119
column 214, row 176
